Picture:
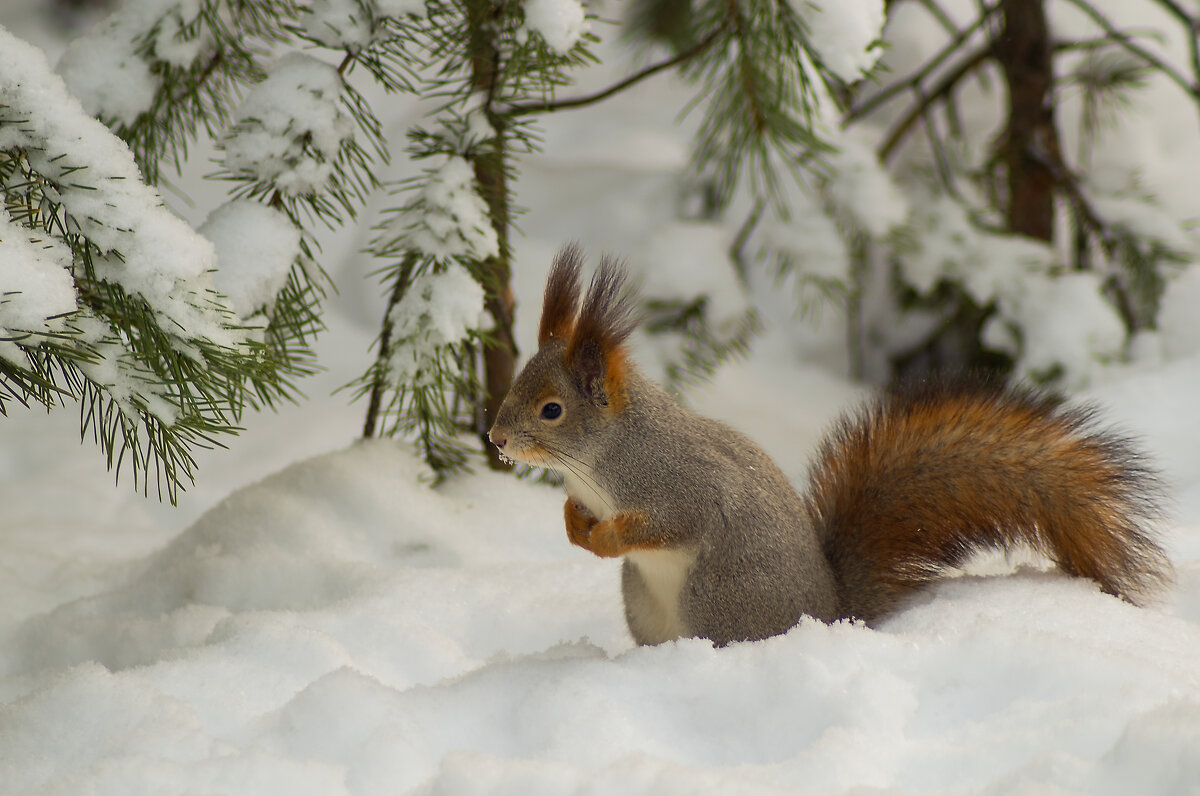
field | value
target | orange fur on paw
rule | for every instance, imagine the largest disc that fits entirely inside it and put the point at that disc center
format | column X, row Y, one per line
column 610, row 538
column 579, row 523
column 619, row 535
column 606, row 539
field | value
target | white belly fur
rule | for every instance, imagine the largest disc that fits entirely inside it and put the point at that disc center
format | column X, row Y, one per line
column 663, row 570
column 595, row 499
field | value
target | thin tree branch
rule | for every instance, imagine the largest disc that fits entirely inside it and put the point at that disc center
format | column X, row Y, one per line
column 1067, row 45
column 202, row 78
column 1136, row 49
column 379, row 376
column 943, row 88
column 938, row 148
column 616, row 88
column 939, row 13
column 1190, row 23
column 916, row 78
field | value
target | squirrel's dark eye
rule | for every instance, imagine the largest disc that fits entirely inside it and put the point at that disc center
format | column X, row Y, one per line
column 551, row 411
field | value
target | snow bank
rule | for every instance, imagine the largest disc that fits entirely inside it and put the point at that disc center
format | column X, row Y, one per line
column 341, row 628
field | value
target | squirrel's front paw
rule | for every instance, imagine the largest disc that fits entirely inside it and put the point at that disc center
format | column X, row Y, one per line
column 613, row 537
column 580, row 522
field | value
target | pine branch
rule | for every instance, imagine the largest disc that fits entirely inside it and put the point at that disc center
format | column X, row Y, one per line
column 379, row 371
column 918, row 77
column 1069, row 184
column 940, row 14
column 744, row 65
column 1097, row 42
column 925, row 101
column 1127, row 42
column 591, row 99
column 1191, row 24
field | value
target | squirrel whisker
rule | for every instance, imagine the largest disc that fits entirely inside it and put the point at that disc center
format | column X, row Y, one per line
column 580, row 470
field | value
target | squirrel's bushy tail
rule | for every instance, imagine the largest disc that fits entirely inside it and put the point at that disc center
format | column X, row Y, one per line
column 929, row 473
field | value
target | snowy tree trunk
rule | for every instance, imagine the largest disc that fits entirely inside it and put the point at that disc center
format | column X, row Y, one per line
column 500, row 353
column 1024, row 50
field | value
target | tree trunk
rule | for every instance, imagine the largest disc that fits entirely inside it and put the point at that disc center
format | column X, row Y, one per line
column 500, row 354
column 1030, row 145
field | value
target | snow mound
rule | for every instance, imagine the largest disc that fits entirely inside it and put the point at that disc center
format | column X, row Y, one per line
column 341, row 628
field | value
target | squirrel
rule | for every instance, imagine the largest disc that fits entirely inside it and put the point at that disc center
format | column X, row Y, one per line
column 718, row 544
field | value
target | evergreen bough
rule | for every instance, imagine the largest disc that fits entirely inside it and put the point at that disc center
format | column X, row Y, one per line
column 281, row 88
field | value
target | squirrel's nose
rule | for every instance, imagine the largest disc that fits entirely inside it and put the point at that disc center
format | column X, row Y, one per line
column 498, row 437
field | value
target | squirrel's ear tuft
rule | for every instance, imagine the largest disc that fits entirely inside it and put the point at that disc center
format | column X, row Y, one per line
column 596, row 351
column 561, row 300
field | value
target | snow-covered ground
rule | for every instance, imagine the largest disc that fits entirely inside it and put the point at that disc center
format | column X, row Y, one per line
column 314, row 619
column 338, row 627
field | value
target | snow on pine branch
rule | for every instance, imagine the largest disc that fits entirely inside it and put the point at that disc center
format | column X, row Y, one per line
column 108, row 68
column 139, row 244
column 36, row 289
column 355, row 24
column 560, row 23
column 439, row 310
column 256, row 247
column 125, row 380
column 845, row 35
column 290, row 128
column 447, row 219
column 1023, row 279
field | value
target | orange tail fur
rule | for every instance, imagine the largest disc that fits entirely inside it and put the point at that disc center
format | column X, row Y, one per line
column 914, row 483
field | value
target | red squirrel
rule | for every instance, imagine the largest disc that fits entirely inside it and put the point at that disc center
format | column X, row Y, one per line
column 718, row 544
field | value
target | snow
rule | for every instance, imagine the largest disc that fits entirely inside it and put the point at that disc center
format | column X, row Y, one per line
column 142, row 245
column 560, row 23
column 341, row 628
column 354, row 24
column 397, row 8
column 37, row 286
column 687, row 260
column 439, row 310
column 125, row 380
column 290, row 127
column 1178, row 319
column 845, row 35
column 1079, row 341
column 339, row 23
column 1143, row 217
column 860, row 188
column 448, row 219
column 104, row 69
column 314, row 618
column 256, row 246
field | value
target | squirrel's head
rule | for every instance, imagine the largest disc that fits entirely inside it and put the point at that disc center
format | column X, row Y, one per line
column 575, row 385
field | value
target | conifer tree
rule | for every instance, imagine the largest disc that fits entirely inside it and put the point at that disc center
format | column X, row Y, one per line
column 1009, row 224
column 166, row 334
